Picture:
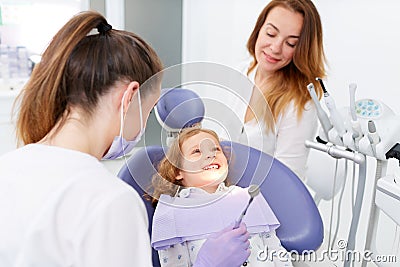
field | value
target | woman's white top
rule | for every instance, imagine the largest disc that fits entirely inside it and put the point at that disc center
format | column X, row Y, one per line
column 287, row 143
column 61, row 207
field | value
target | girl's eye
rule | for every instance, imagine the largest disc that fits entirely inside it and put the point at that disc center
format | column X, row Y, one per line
column 217, row 149
column 195, row 151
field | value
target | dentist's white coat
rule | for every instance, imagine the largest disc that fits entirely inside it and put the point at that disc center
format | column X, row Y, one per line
column 287, row 143
column 61, row 207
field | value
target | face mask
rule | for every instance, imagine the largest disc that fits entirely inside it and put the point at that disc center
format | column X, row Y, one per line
column 120, row 146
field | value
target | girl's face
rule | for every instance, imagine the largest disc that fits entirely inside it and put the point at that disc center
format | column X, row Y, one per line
column 204, row 164
column 277, row 39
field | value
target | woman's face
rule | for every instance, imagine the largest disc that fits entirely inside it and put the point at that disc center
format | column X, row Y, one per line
column 277, row 39
column 204, row 164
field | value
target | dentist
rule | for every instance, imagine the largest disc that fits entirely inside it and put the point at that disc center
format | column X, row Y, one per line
column 59, row 205
column 286, row 49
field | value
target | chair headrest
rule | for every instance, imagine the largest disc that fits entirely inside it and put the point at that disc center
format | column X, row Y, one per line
column 179, row 108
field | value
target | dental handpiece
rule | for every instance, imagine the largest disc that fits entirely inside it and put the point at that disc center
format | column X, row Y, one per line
column 352, row 91
column 253, row 191
column 322, row 116
column 336, row 119
column 373, row 136
column 355, row 124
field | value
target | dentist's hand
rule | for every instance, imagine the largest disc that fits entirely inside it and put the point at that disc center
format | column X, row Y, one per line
column 227, row 248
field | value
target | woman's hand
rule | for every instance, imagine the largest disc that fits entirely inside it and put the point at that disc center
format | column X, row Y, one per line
column 227, row 248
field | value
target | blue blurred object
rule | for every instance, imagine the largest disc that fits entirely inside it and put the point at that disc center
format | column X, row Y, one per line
column 179, row 108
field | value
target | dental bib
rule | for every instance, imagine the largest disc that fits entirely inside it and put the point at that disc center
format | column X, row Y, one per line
column 198, row 214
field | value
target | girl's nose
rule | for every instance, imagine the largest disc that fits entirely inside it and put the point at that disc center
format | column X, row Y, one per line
column 207, row 147
column 211, row 155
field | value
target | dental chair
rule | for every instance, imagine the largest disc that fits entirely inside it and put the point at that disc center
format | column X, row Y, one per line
column 301, row 228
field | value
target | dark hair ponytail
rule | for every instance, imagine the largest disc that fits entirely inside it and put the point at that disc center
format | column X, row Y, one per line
column 77, row 68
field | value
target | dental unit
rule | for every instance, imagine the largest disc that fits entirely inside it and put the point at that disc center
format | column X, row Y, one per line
column 367, row 128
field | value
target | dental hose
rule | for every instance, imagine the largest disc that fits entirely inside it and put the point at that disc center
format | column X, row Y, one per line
column 332, row 205
column 353, row 186
column 372, row 214
column 340, row 204
column 362, row 172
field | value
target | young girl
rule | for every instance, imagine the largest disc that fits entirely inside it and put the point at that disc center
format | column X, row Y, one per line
column 195, row 201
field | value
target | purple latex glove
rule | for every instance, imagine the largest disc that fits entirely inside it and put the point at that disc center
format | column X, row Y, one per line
column 227, row 248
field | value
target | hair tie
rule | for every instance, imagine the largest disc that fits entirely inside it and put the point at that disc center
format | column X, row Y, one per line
column 103, row 27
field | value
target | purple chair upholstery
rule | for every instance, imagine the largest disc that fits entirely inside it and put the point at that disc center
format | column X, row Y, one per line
column 138, row 172
column 179, row 108
column 301, row 224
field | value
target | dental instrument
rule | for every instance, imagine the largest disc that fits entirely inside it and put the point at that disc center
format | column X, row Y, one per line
column 373, row 136
column 352, row 91
column 360, row 125
column 355, row 124
column 336, row 118
column 322, row 116
column 253, row 191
